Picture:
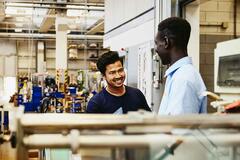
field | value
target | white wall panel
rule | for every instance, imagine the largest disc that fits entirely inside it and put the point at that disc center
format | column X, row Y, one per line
column 10, row 66
column 1, row 88
column 26, row 48
column 7, row 58
column 50, row 53
column 26, row 51
column 192, row 15
column 7, row 47
column 132, row 37
column 117, row 12
column 26, row 62
column 51, row 63
column 1, row 66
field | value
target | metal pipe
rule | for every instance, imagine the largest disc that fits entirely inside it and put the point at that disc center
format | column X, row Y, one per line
column 58, row 7
column 235, row 19
column 61, row 3
column 49, row 36
column 42, row 123
column 138, row 141
column 53, row 16
column 46, row 39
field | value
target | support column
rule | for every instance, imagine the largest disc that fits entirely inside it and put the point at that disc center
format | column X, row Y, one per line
column 193, row 15
column 41, row 62
column 61, row 52
column 61, row 43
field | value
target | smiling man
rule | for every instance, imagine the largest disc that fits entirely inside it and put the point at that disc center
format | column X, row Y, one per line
column 116, row 97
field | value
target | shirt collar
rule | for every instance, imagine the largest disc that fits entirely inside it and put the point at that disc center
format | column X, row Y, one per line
column 178, row 64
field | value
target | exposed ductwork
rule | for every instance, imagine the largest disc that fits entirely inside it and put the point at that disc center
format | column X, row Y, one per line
column 97, row 28
column 88, row 8
column 99, row 3
column 47, row 21
column 49, row 36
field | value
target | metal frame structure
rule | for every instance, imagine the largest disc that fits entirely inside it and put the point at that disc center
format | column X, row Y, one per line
column 134, row 130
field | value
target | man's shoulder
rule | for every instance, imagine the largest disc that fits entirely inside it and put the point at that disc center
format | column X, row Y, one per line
column 187, row 68
column 132, row 90
column 186, row 72
column 97, row 96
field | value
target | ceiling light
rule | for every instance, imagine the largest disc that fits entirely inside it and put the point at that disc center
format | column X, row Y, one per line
column 18, row 24
column 18, row 30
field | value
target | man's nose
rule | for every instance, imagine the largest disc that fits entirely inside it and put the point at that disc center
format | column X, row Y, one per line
column 117, row 75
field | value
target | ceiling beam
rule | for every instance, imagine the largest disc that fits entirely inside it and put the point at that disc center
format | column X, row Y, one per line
column 97, row 28
column 47, row 22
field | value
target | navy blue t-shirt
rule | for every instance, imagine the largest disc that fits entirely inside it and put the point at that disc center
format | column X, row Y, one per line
column 104, row 102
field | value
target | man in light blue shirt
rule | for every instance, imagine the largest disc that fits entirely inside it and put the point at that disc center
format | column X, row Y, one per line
column 184, row 88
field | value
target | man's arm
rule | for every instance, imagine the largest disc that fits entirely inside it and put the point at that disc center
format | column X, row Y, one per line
column 144, row 102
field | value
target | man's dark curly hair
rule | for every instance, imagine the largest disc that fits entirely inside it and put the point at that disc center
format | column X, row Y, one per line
column 177, row 29
column 106, row 59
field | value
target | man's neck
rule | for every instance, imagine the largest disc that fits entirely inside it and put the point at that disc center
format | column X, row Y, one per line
column 178, row 54
column 116, row 91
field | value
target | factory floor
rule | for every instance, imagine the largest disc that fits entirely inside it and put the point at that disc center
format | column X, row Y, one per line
column 7, row 152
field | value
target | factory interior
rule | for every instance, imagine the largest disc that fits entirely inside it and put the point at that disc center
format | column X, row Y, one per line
column 49, row 52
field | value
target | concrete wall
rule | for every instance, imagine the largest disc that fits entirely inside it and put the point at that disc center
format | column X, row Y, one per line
column 7, row 58
column 8, row 68
column 214, row 12
column 26, row 51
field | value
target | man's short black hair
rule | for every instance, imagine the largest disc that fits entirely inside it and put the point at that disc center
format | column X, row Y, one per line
column 106, row 59
column 177, row 29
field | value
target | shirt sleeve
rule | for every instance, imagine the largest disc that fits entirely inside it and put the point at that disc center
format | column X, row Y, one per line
column 183, row 99
column 144, row 102
column 92, row 106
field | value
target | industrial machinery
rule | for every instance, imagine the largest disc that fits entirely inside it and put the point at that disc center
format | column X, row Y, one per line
column 227, row 73
column 135, row 136
column 227, row 69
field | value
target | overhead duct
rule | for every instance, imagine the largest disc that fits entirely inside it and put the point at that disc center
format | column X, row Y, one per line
column 2, row 11
column 47, row 22
column 97, row 28
column 50, row 36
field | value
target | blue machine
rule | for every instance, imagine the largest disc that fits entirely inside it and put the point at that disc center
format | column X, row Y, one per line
column 36, row 100
column 4, row 120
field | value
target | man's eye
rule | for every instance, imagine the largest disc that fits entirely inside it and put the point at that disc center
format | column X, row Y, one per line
column 120, row 70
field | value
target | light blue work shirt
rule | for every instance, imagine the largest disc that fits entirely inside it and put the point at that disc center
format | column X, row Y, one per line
column 184, row 90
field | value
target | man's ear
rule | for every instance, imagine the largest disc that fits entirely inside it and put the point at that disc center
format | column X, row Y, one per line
column 167, row 42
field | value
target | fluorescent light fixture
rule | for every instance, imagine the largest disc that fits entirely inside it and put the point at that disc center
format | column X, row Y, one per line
column 72, row 12
column 18, row 30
